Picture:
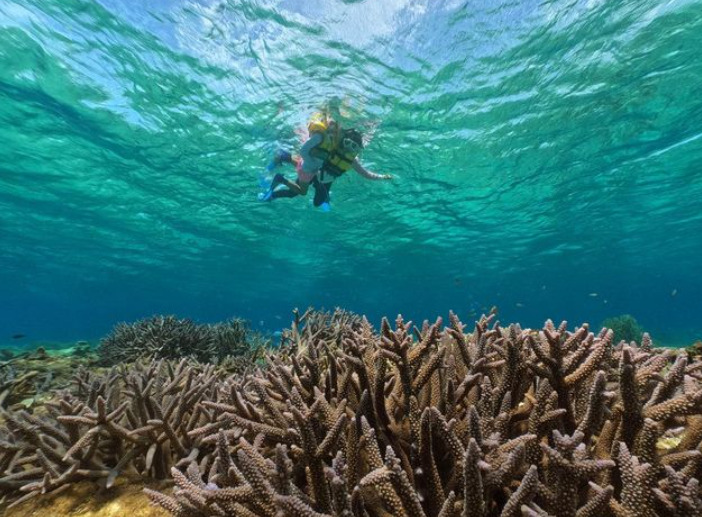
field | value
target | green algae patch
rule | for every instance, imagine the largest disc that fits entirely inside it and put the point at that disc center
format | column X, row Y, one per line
column 85, row 500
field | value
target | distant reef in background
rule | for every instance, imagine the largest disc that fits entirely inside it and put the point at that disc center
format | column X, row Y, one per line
column 167, row 337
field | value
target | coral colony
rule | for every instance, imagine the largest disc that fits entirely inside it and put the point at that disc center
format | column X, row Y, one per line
column 343, row 420
column 170, row 338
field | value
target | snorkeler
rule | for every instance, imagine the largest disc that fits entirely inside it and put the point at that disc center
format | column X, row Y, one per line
column 327, row 154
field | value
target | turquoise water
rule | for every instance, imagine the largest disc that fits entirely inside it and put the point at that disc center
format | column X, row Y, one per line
column 548, row 160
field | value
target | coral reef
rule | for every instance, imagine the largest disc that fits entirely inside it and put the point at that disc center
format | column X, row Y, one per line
column 28, row 377
column 134, row 419
column 503, row 421
column 695, row 349
column 166, row 337
column 81, row 499
column 407, row 421
column 331, row 327
column 625, row 328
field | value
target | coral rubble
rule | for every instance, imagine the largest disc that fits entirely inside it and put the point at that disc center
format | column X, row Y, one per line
column 417, row 422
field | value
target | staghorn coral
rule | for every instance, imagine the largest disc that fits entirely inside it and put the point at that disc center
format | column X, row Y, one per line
column 408, row 421
column 332, row 327
column 131, row 420
column 436, row 422
column 166, row 337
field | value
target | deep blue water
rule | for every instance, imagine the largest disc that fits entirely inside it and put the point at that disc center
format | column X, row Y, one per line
column 547, row 160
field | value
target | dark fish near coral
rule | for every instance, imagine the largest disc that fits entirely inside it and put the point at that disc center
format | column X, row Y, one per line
column 18, row 336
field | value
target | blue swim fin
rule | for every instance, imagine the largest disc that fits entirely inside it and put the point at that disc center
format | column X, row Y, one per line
column 267, row 195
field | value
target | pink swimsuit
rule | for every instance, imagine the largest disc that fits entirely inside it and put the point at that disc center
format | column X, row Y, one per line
column 305, row 177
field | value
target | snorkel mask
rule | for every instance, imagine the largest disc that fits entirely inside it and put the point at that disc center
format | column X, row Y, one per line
column 352, row 141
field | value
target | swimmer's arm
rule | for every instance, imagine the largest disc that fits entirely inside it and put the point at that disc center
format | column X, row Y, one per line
column 310, row 144
column 360, row 169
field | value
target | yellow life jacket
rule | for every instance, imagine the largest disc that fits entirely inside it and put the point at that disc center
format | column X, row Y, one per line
column 336, row 159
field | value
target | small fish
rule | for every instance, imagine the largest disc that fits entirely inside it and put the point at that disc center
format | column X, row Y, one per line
column 543, row 287
column 675, row 291
column 519, row 304
column 261, row 323
column 604, row 301
column 594, row 295
column 18, row 336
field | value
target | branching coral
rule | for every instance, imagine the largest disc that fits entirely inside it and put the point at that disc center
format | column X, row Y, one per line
column 331, row 327
column 408, row 421
column 134, row 419
column 432, row 421
column 166, row 337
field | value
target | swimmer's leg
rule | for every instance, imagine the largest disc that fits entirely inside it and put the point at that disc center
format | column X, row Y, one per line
column 321, row 192
column 294, row 189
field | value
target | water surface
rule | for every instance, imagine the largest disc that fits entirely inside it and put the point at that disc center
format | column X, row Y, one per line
column 548, row 160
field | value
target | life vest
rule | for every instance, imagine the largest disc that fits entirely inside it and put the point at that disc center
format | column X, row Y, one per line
column 336, row 160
